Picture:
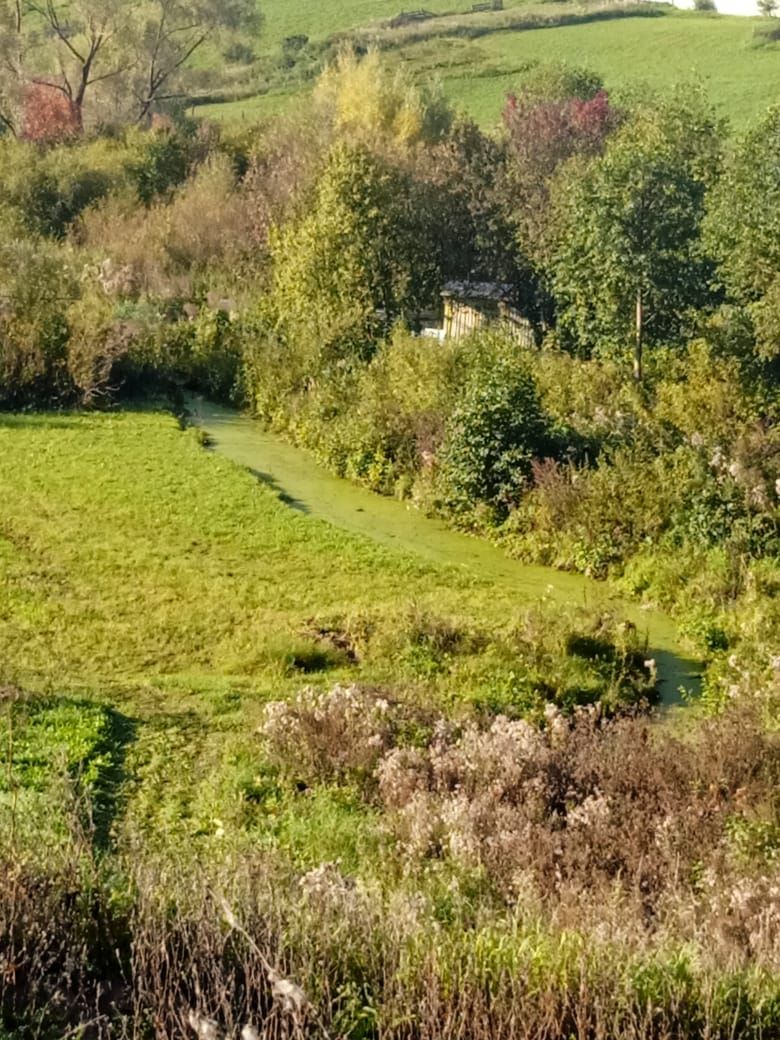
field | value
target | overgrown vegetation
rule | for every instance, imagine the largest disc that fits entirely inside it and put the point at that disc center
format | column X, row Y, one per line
column 260, row 775
column 344, row 781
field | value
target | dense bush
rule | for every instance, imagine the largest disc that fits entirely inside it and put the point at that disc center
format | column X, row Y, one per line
column 492, row 437
column 38, row 282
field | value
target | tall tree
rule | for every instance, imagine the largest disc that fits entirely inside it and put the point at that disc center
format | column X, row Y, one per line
column 467, row 174
column 743, row 228
column 169, row 32
column 558, row 113
column 87, row 40
column 629, row 263
column 359, row 259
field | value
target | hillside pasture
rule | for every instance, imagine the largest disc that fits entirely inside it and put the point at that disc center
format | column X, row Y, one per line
column 740, row 74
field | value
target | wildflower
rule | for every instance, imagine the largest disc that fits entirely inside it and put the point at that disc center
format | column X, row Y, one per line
column 291, row 997
column 204, row 1028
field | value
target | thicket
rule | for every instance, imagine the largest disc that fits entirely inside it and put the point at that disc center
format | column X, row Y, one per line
column 594, row 878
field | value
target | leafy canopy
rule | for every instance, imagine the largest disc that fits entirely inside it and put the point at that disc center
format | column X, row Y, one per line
column 629, row 264
column 357, row 260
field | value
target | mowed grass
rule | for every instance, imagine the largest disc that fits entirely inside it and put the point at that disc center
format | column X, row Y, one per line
column 144, row 575
column 320, row 18
column 741, row 78
column 160, row 596
column 126, row 550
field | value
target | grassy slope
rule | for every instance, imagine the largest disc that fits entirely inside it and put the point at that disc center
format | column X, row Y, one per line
column 320, row 18
column 741, row 78
column 125, row 549
column 168, row 587
column 140, row 572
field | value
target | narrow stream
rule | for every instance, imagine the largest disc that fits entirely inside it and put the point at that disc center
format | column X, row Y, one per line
column 306, row 486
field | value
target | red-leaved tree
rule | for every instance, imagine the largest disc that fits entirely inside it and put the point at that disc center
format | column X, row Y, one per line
column 48, row 115
column 544, row 133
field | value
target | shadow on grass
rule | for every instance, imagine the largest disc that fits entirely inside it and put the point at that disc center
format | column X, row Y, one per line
column 283, row 496
column 109, row 794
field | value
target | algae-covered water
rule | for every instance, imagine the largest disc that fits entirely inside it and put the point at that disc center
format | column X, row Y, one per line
column 303, row 484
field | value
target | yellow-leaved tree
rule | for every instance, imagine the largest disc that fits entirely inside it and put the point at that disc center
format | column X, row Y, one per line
column 367, row 100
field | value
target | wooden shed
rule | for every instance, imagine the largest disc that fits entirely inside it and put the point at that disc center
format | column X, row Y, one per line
column 469, row 306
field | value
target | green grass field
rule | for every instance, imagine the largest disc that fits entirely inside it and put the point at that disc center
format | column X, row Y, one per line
column 676, row 47
column 321, row 18
column 740, row 78
column 156, row 596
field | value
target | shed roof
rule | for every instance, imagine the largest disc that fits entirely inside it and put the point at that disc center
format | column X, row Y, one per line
column 497, row 291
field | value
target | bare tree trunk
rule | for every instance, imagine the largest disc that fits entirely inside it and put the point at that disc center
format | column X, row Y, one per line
column 639, row 336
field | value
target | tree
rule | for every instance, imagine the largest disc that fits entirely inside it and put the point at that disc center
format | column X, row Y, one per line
column 169, row 32
column 357, row 260
column 12, row 49
column 470, row 198
column 743, row 228
column 139, row 51
column 367, row 101
column 629, row 263
column 87, row 41
column 559, row 113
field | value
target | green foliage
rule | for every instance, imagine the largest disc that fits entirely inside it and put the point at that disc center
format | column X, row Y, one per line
column 50, row 190
column 629, row 265
column 37, row 283
column 356, row 261
column 50, row 737
column 163, row 165
column 496, row 430
column 559, row 81
column 742, row 227
column 472, row 198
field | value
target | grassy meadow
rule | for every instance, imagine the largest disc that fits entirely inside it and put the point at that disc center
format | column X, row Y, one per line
column 740, row 76
column 143, row 577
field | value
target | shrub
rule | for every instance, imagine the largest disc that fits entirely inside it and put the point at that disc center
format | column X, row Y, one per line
column 48, row 115
column 585, row 806
column 356, row 262
column 164, row 163
column 494, row 433
column 332, row 735
column 38, row 285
